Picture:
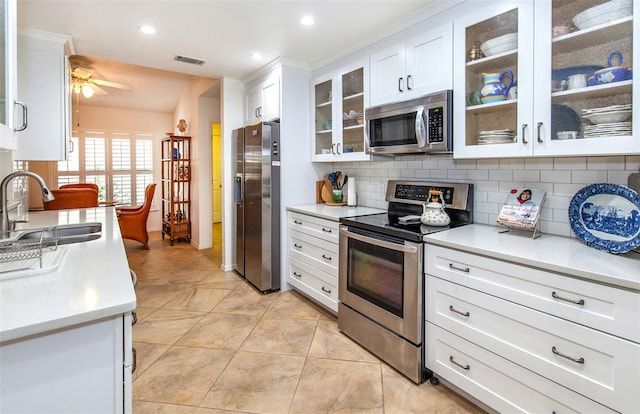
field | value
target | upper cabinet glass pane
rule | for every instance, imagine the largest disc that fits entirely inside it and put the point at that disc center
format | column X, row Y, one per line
column 324, row 117
column 491, row 78
column 591, row 59
column 353, row 111
column 3, row 56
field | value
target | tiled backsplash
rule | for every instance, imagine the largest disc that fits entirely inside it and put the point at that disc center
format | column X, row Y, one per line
column 561, row 178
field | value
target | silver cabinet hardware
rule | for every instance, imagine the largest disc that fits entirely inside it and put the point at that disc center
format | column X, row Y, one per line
column 465, row 367
column 577, row 302
column 24, row 116
column 452, row 309
column 538, row 132
column 462, row 269
column 577, row 360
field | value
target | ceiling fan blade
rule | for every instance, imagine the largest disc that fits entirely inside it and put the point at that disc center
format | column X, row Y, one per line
column 113, row 84
column 98, row 90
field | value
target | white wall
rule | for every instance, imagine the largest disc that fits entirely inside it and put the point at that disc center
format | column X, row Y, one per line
column 232, row 96
column 561, row 178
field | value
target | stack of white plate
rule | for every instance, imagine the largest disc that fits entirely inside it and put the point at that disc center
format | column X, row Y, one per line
column 607, row 130
column 498, row 136
column 500, row 44
column 608, row 120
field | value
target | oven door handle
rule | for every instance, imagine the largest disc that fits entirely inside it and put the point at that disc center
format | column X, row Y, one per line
column 376, row 242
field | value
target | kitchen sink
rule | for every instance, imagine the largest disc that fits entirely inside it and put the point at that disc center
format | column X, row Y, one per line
column 65, row 234
column 36, row 251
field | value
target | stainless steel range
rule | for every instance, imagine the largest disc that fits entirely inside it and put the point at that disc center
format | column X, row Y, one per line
column 381, row 282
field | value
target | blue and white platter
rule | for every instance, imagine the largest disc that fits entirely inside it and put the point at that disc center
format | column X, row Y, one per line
column 606, row 217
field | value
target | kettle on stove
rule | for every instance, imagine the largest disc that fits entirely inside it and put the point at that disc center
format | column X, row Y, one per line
column 433, row 213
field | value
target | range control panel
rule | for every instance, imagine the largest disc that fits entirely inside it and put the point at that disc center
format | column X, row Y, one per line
column 454, row 195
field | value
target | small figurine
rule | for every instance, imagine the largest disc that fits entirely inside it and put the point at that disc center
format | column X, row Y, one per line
column 182, row 126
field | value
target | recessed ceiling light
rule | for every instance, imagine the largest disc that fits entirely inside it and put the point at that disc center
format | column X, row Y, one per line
column 147, row 29
column 307, row 20
column 256, row 56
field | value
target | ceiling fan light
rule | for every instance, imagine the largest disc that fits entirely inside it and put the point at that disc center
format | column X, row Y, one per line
column 76, row 88
column 87, row 91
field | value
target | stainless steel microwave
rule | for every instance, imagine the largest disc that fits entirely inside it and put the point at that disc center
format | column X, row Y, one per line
column 419, row 125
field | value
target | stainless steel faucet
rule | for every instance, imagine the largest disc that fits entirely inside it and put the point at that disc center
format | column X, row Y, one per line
column 46, row 196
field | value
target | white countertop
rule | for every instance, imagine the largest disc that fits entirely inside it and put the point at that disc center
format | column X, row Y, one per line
column 548, row 252
column 334, row 213
column 91, row 283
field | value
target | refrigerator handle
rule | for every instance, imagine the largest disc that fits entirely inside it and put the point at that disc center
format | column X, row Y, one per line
column 238, row 188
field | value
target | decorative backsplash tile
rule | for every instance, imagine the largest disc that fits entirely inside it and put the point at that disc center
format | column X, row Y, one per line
column 561, row 178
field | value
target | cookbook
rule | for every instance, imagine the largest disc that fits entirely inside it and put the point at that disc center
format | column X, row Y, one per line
column 522, row 207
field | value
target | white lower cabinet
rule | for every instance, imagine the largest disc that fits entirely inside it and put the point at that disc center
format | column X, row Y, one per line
column 82, row 369
column 545, row 334
column 312, row 265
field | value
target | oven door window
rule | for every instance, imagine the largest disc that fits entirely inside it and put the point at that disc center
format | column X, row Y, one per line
column 376, row 274
column 393, row 130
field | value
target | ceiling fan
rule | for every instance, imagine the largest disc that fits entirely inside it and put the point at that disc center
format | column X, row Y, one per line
column 83, row 82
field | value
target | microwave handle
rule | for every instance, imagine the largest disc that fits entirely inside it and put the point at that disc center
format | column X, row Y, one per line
column 421, row 129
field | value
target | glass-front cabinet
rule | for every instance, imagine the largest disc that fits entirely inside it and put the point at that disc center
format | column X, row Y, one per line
column 8, row 45
column 545, row 78
column 339, row 99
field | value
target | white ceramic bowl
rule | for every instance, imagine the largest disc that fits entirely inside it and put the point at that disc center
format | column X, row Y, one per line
column 605, row 12
column 500, row 44
column 609, row 117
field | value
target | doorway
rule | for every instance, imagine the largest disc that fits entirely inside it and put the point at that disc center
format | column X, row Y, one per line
column 216, row 184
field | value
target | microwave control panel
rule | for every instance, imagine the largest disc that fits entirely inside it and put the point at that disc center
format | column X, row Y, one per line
column 435, row 125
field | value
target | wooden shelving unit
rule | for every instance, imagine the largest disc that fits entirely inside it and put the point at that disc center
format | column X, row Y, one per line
column 176, row 187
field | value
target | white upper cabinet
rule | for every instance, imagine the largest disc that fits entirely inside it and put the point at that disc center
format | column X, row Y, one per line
column 44, row 83
column 263, row 100
column 338, row 101
column 412, row 68
column 522, row 99
column 8, row 79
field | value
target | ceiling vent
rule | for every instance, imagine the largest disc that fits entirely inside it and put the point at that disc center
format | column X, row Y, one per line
column 190, row 60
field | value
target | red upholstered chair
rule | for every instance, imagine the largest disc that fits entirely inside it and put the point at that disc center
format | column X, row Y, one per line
column 80, row 185
column 133, row 220
column 66, row 198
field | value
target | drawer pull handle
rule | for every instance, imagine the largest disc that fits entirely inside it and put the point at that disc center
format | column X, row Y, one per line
column 296, row 274
column 452, row 309
column 577, row 302
column 465, row 367
column 297, row 246
column 326, row 257
column 577, row 360
column 462, row 269
column 297, row 222
column 326, row 290
column 326, row 230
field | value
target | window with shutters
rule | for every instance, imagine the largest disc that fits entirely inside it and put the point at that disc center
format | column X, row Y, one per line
column 120, row 164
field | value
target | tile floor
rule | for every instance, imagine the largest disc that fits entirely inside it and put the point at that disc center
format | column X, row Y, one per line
column 209, row 343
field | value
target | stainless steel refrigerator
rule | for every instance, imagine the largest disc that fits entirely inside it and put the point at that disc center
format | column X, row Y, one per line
column 257, row 199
